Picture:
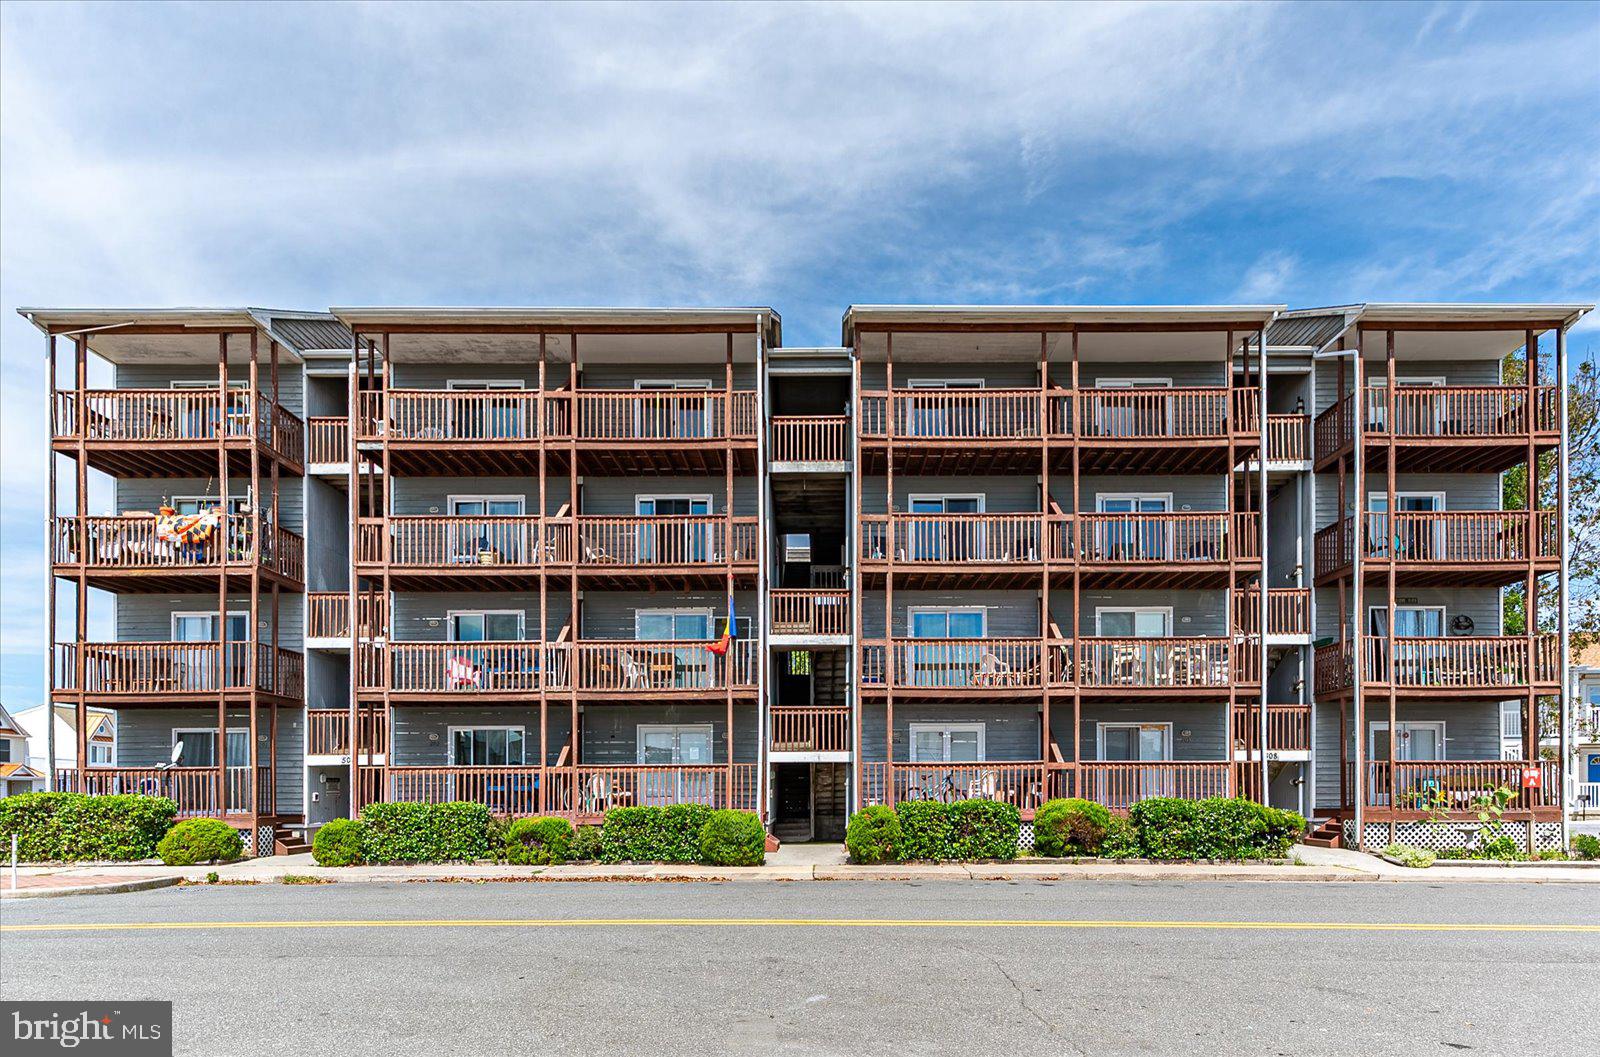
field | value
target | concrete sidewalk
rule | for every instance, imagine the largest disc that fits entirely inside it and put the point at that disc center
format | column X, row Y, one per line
column 804, row 862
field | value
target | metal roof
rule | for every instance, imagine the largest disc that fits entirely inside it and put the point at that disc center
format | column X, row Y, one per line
column 1063, row 314
column 1307, row 330
column 308, row 331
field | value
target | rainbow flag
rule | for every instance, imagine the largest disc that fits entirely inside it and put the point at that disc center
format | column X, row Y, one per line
column 720, row 647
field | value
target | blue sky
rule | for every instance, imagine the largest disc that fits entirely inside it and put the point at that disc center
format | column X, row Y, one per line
column 297, row 156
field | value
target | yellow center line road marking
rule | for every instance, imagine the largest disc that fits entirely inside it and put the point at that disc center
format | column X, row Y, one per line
column 848, row 923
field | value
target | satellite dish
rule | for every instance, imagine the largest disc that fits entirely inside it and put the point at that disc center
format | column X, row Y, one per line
column 177, row 753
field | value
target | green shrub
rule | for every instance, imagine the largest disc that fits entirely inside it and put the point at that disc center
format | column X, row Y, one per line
column 1502, row 848
column 538, row 841
column 983, row 829
column 1585, row 846
column 585, row 844
column 1070, row 827
column 413, row 833
column 733, row 838
column 197, row 840
column 1551, row 855
column 1121, row 840
column 75, row 827
column 341, row 842
column 1405, row 855
column 874, row 835
column 653, row 834
column 925, row 830
column 1216, row 828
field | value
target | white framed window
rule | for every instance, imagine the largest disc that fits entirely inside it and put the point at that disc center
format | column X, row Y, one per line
column 1411, row 539
column 1133, row 502
column 201, row 626
column 945, row 541
column 1410, row 622
column 487, row 505
column 947, row 502
column 1133, row 741
column 101, row 754
column 1133, row 383
column 487, row 746
column 674, row 743
column 670, row 384
column 486, row 625
column 947, row 742
column 945, row 383
column 480, row 385
column 947, row 622
column 672, row 625
column 207, row 383
column 200, row 746
column 1416, row 740
column 672, row 504
column 195, row 504
column 1133, row 622
column 1114, row 415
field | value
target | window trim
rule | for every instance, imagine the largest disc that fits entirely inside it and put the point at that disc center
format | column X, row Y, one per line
column 639, row 732
column 938, row 384
column 1409, row 493
column 1100, row 497
column 1444, row 617
column 913, row 611
column 675, row 611
column 1167, row 611
column 1100, row 739
column 1383, row 724
column 486, row 498
column 194, row 384
column 486, row 385
column 640, row 497
column 450, row 736
column 450, row 624
column 913, row 729
column 981, row 497
column 1131, row 382
column 668, row 385
column 172, row 625
column 243, row 732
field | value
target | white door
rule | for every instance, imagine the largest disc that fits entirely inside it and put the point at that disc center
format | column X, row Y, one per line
column 936, row 415
column 1413, row 539
column 674, row 544
column 675, row 412
column 1133, row 538
column 941, row 540
column 943, row 663
column 672, row 746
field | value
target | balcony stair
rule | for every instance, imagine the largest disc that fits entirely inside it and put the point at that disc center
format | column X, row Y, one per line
column 1325, row 834
column 286, row 841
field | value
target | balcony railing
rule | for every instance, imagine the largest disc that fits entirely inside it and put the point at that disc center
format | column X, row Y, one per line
column 579, row 792
column 1440, row 412
column 1288, row 438
column 955, row 539
column 328, row 732
column 1153, row 663
column 128, row 415
column 1162, row 539
column 1288, row 611
column 1026, row 784
column 810, row 611
column 810, row 729
column 955, row 664
column 998, row 663
column 1288, row 728
column 1463, row 663
column 328, row 439
column 664, row 541
column 810, row 438
column 128, row 543
column 328, row 614
column 143, row 668
column 1102, row 539
column 515, row 541
column 193, row 789
column 953, row 414
column 520, row 667
column 654, row 415
column 1119, row 784
column 1456, row 537
column 1455, row 784
column 1196, row 413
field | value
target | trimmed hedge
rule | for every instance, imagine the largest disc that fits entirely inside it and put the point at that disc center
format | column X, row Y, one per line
column 341, row 842
column 197, row 840
column 983, row 829
column 925, row 830
column 931, row 831
column 733, row 838
column 1070, row 826
column 653, row 834
column 411, row 833
column 1216, row 828
column 538, row 841
column 873, row 835
column 585, row 844
column 74, row 827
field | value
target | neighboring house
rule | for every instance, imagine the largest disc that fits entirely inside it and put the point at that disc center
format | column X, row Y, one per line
column 15, row 774
column 649, row 556
column 1586, row 733
column 102, row 738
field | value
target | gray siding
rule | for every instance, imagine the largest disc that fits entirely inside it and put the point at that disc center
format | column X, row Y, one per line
column 440, row 375
column 1482, row 604
column 1198, row 730
column 623, row 375
column 144, row 739
column 1194, row 613
column 148, row 618
column 421, row 735
column 327, row 537
column 1471, row 732
column 1183, row 373
column 1189, row 493
column 1462, row 491
column 610, row 614
column 1002, row 495
column 1011, row 731
column 994, row 375
column 422, row 616
column 1011, row 613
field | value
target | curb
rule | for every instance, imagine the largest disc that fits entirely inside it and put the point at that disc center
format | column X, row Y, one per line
column 143, row 884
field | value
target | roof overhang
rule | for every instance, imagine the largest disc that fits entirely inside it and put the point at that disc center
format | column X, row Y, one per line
column 161, row 335
column 1444, row 330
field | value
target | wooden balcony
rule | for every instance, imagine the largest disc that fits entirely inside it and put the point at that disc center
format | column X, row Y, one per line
column 1443, row 429
column 165, row 673
column 430, row 431
column 498, row 553
column 1120, row 784
column 1172, row 430
column 810, row 729
column 328, row 615
column 1444, row 548
column 582, row 792
column 1404, row 790
column 328, row 732
column 193, row 789
column 958, row 551
column 174, row 432
column 1288, row 612
column 1288, row 438
column 327, row 440
column 807, row 441
column 1013, row 667
column 1288, row 730
column 1142, row 666
column 809, row 611
column 1477, row 666
column 122, row 553
column 516, row 670
column 1024, row 784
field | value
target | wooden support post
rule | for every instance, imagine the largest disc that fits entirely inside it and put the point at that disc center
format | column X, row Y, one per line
column 1075, row 542
column 888, row 578
column 576, row 613
column 1043, row 544
column 1391, row 524
column 353, row 422
column 253, row 552
column 222, row 666
column 542, row 542
column 386, row 555
column 81, row 507
column 51, row 541
column 729, row 660
column 1234, row 634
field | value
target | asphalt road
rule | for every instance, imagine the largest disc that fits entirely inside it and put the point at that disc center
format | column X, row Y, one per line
column 401, row 972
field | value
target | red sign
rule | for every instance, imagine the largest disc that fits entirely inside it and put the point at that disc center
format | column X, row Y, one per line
column 1531, row 778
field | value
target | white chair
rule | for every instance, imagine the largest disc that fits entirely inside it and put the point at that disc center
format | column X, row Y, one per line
column 633, row 673
column 991, row 671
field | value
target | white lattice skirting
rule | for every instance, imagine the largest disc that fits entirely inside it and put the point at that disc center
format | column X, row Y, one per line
column 1433, row 837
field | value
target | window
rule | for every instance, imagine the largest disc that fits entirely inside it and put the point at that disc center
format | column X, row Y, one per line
column 200, row 747
column 206, row 383
column 1510, row 730
column 939, row 540
column 664, row 744
column 487, row 505
column 941, row 663
column 5, row 750
column 674, row 544
column 1134, row 415
column 1134, row 741
column 941, row 416
column 960, row 622
column 481, row 385
column 1133, row 622
column 490, row 625
column 1416, row 741
column 492, row 541
column 672, row 625
column 101, row 755
column 1414, row 539
column 1415, row 413
column 202, row 627
column 947, row 742
column 1133, row 538
column 498, row 417
column 487, row 746
column 672, row 416
column 1410, row 622
column 197, row 504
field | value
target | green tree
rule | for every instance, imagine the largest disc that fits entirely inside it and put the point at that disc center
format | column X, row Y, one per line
column 1583, row 531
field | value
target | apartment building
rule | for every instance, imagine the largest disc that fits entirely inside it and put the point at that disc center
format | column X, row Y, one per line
column 563, row 560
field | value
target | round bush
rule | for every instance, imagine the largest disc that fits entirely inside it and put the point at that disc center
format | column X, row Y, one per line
column 339, row 843
column 1070, row 827
column 733, row 838
column 539, row 841
column 873, row 835
column 198, row 840
column 585, row 844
